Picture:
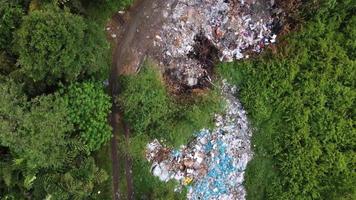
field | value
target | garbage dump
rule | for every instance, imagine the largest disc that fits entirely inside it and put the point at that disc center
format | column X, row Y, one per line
column 232, row 26
column 212, row 165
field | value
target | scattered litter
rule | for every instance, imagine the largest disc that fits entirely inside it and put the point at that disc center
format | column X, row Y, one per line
column 212, row 165
column 233, row 27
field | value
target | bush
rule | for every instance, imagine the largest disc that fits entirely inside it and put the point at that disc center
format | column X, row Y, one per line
column 89, row 106
column 302, row 100
column 145, row 101
column 150, row 110
column 35, row 136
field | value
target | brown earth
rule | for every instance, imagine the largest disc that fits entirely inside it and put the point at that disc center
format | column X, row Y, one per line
column 131, row 35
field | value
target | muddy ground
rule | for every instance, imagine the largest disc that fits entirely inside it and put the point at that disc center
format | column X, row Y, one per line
column 130, row 33
column 133, row 31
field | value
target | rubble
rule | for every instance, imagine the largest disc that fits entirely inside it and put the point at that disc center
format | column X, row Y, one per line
column 232, row 27
column 212, row 165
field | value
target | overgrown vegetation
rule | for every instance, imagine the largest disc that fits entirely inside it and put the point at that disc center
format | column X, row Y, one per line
column 302, row 100
column 154, row 114
column 150, row 110
column 53, row 108
column 53, row 113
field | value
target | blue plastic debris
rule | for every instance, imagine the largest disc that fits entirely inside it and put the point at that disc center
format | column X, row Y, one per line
column 215, row 159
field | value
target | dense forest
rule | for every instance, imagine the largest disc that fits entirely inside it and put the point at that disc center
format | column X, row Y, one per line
column 54, row 58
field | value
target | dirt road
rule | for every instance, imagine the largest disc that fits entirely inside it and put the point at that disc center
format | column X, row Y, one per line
column 143, row 22
column 132, row 34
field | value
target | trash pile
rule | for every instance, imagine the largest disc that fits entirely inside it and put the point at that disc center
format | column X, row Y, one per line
column 212, row 165
column 232, row 26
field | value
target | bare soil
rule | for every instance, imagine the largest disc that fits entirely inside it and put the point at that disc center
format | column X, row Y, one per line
column 131, row 35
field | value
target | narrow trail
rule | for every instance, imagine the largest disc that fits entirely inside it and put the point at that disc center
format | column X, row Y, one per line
column 133, row 38
column 128, row 165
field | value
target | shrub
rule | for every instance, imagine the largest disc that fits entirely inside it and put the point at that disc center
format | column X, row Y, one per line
column 150, row 110
column 89, row 106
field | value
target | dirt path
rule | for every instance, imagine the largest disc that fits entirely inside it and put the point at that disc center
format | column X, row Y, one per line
column 132, row 34
column 128, row 165
column 143, row 22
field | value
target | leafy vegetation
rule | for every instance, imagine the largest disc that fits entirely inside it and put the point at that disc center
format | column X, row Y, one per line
column 10, row 15
column 302, row 100
column 99, row 10
column 89, row 107
column 53, row 112
column 151, row 111
column 59, row 48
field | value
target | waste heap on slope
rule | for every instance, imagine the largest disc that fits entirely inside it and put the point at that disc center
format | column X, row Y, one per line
column 232, row 26
column 213, row 163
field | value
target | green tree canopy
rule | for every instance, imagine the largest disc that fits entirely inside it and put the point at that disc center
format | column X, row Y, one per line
column 77, row 182
column 43, row 154
column 36, row 136
column 49, row 45
column 55, row 45
column 10, row 18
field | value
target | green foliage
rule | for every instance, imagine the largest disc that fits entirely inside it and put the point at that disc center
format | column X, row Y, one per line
column 42, row 136
column 53, row 50
column 88, row 110
column 103, row 161
column 44, row 147
column 76, row 183
column 11, row 101
column 101, row 10
column 43, row 157
column 37, row 136
column 62, row 47
column 303, row 102
column 7, row 64
column 145, row 101
column 96, row 51
column 150, row 110
column 10, row 19
column 152, row 113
